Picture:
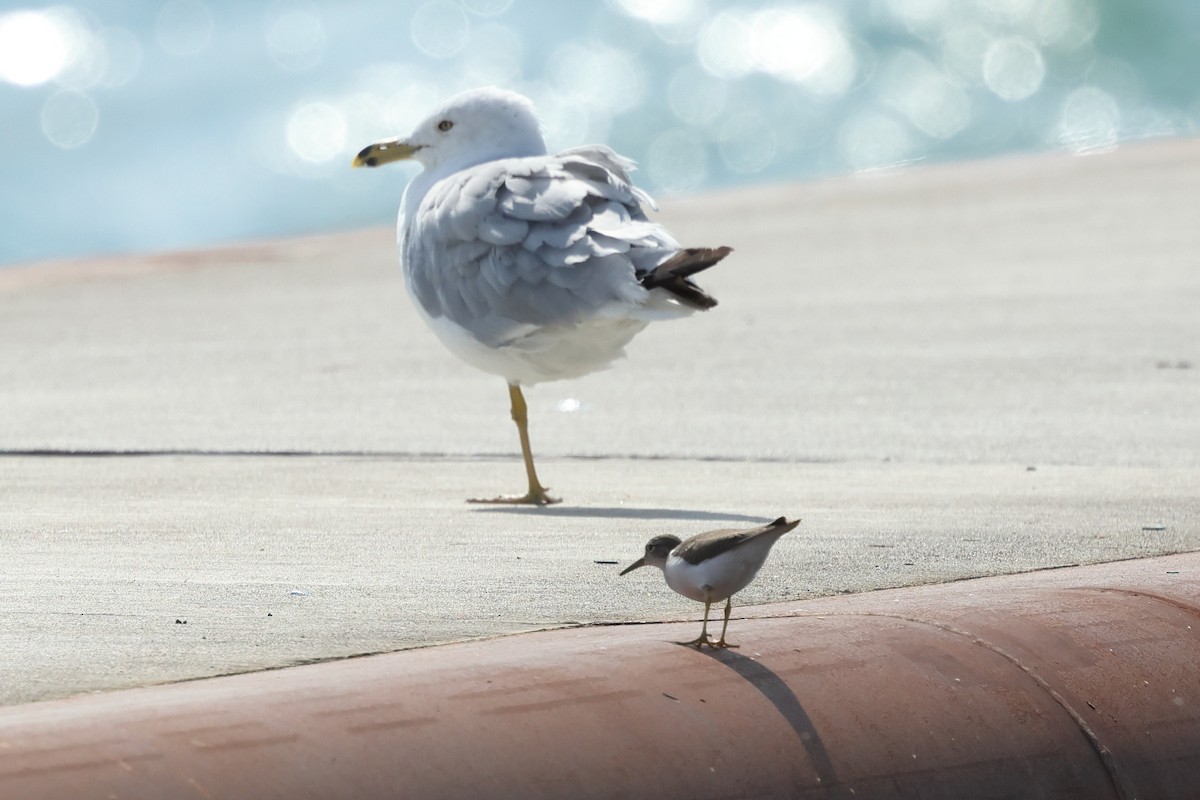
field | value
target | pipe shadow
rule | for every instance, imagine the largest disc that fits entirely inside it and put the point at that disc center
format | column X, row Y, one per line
column 617, row 512
column 776, row 690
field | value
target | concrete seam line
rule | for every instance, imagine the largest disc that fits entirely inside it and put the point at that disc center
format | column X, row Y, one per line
column 1102, row 752
column 820, row 614
column 398, row 455
column 1162, row 598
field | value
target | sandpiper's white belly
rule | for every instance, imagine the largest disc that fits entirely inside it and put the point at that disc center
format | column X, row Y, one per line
column 715, row 579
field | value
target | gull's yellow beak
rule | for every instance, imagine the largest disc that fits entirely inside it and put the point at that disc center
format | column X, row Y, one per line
column 384, row 152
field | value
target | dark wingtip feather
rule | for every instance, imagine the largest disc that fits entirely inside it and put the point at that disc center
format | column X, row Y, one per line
column 672, row 274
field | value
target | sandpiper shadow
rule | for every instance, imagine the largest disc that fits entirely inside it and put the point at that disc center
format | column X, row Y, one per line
column 619, row 512
column 776, row 690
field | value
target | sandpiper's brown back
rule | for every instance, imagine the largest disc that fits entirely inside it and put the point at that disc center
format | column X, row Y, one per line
column 713, row 543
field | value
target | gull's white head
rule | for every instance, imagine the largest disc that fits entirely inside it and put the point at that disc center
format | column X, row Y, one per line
column 470, row 128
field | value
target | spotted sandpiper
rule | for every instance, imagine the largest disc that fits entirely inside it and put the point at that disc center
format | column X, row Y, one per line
column 714, row 566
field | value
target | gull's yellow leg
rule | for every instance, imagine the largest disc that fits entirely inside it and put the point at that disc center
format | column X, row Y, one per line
column 536, row 496
column 721, row 642
column 702, row 639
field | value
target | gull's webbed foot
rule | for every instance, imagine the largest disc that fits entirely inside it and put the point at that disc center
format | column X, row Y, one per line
column 534, row 497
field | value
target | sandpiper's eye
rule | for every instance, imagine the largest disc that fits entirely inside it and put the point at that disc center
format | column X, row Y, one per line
column 649, row 547
column 445, row 125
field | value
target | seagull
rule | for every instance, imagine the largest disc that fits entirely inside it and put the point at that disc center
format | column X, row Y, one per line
column 711, row 567
column 530, row 265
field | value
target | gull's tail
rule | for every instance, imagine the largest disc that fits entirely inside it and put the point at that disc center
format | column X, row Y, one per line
column 672, row 275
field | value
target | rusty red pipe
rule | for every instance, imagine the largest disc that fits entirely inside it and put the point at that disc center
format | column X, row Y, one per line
column 1081, row 683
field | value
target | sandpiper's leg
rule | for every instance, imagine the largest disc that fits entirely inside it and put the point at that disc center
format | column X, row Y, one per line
column 702, row 639
column 536, row 495
column 721, row 642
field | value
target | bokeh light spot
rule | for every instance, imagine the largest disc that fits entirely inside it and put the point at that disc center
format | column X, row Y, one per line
column 805, row 46
column 659, row 12
column 801, row 44
column 404, row 93
column 1065, row 24
column 566, row 124
column 696, row 97
column 88, row 62
column 69, row 119
column 365, row 117
column 1007, row 12
column 183, row 27
column 931, row 102
column 597, row 76
column 440, row 29
column 963, row 49
column 748, row 143
column 724, row 46
column 492, row 57
column 1090, row 121
column 1013, row 68
column 407, row 106
column 124, row 56
column 677, row 160
column 871, row 140
column 33, row 48
column 918, row 15
column 295, row 36
column 316, row 131
column 487, row 8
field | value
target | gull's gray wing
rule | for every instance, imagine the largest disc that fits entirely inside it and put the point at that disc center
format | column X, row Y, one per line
column 517, row 244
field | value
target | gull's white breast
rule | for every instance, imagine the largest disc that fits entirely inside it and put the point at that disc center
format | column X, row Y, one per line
column 542, row 354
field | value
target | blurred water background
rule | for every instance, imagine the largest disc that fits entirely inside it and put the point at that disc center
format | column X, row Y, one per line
column 128, row 125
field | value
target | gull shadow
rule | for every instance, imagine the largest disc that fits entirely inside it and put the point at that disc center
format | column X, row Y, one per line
column 775, row 689
column 617, row 512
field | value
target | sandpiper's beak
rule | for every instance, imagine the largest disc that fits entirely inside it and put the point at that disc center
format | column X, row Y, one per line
column 384, row 152
column 641, row 562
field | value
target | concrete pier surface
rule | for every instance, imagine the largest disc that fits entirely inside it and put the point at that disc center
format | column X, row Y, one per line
column 254, row 456
column 1071, row 683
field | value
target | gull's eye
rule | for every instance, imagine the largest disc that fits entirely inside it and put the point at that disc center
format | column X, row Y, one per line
column 445, row 125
